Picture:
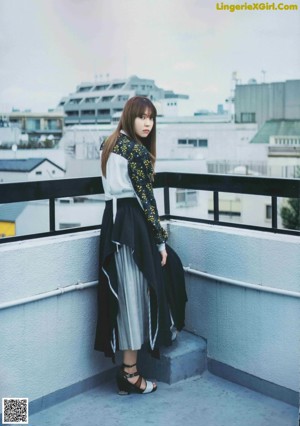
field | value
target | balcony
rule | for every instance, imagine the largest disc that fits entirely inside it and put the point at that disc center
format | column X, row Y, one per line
column 243, row 286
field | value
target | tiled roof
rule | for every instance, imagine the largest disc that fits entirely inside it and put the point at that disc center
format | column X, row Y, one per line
column 277, row 128
column 23, row 165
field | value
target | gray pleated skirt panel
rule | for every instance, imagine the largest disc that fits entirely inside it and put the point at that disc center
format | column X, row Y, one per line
column 133, row 297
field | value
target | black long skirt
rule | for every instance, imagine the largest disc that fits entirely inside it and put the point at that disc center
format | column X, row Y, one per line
column 166, row 285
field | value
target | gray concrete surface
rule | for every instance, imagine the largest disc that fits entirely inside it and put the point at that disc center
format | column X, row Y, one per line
column 185, row 358
column 202, row 400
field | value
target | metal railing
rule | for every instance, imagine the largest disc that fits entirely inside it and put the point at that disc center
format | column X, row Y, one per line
column 51, row 190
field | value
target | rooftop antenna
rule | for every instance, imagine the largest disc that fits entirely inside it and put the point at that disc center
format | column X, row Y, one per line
column 263, row 76
column 234, row 81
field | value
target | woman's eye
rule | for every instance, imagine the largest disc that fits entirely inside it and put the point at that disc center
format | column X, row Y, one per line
column 144, row 117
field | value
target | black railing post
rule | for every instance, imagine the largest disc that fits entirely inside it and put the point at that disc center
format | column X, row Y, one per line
column 52, row 214
column 216, row 206
column 167, row 200
column 274, row 213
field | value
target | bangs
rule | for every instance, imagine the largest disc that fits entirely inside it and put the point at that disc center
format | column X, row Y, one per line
column 144, row 106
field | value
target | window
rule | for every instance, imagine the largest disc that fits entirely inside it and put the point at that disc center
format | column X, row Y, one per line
column 33, row 124
column 103, row 111
column 72, row 113
column 88, row 112
column 54, row 124
column 196, row 143
column 117, row 85
column 69, row 225
column 248, row 117
column 268, row 211
column 122, row 97
column 75, row 101
column 84, row 89
column 202, row 143
column 90, row 100
column 186, row 198
column 102, row 87
column 106, row 98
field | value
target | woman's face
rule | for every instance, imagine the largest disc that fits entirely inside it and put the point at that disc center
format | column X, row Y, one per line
column 144, row 124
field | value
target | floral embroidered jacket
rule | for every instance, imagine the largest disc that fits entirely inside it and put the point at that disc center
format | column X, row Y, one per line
column 129, row 173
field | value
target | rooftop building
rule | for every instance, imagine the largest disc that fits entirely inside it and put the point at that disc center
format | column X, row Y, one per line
column 35, row 127
column 282, row 138
column 257, row 103
column 98, row 102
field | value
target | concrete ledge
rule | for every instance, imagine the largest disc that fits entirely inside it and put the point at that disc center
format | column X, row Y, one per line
column 252, row 382
column 63, row 394
column 185, row 358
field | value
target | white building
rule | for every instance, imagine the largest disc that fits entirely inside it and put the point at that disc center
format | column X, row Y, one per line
column 29, row 169
column 282, row 140
column 32, row 217
column 177, row 137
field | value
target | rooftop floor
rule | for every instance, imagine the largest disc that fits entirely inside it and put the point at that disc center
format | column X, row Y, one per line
column 205, row 400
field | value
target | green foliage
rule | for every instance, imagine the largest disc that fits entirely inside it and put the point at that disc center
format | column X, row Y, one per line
column 290, row 211
column 290, row 214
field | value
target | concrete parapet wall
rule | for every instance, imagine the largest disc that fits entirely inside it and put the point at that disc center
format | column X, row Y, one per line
column 252, row 331
column 47, row 345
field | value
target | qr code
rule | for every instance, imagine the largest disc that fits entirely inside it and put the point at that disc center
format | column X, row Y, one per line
column 15, row 411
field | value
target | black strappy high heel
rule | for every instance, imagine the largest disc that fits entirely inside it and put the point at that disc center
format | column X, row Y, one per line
column 126, row 387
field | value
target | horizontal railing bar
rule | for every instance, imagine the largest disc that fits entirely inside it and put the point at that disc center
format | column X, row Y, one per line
column 52, row 293
column 49, row 234
column 243, row 284
column 82, row 286
column 59, row 188
column 43, row 190
column 231, row 224
column 279, row 187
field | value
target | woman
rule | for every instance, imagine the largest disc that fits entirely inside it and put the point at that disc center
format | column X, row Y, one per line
column 141, row 294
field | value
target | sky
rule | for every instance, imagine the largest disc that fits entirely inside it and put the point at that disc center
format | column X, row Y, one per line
column 48, row 47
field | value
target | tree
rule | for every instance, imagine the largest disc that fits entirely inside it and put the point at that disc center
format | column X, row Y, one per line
column 290, row 211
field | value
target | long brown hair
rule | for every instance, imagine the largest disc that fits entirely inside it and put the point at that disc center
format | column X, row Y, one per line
column 134, row 107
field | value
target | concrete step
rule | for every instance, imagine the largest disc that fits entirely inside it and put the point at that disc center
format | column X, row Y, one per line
column 185, row 358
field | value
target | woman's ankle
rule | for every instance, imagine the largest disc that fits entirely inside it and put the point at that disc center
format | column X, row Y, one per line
column 130, row 370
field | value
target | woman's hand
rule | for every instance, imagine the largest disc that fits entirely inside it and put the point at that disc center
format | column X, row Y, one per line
column 164, row 255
